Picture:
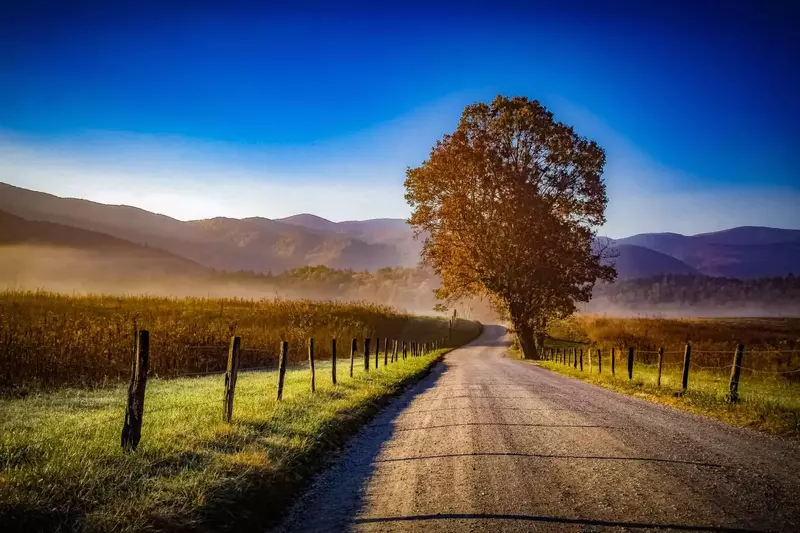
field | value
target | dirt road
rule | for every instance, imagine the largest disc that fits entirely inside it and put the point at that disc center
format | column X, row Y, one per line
column 490, row 444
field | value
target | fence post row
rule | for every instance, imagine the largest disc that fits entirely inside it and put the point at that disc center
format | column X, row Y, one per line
column 132, row 427
column 660, row 364
column 630, row 362
column 282, row 367
column 687, row 355
column 353, row 349
column 311, row 364
column 736, row 371
column 333, row 361
column 230, row 378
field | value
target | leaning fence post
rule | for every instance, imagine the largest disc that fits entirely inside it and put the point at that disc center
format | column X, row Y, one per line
column 311, row 364
column 630, row 362
column 366, row 354
column 230, row 378
column 687, row 355
column 660, row 364
column 599, row 362
column 282, row 367
column 353, row 349
column 736, row 371
column 132, row 427
column 333, row 361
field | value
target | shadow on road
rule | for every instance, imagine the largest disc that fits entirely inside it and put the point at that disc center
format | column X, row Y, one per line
column 548, row 456
column 549, row 520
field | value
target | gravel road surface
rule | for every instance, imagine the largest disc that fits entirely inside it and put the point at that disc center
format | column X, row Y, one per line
column 485, row 443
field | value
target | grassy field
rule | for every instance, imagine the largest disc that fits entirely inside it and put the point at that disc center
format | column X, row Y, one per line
column 769, row 387
column 49, row 340
column 61, row 464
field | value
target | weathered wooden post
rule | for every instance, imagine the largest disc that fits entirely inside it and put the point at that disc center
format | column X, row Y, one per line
column 230, row 378
column 394, row 351
column 613, row 357
column 333, row 361
column 575, row 357
column 581, row 359
column 660, row 364
column 630, row 362
column 282, row 360
column 366, row 354
column 385, row 351
column 377, row 351
column 353, row 349
column 311, row 364
column 589, row 355
column 687, row 356
column 405, row 350
column 599, row 362
column 132, row 427
column 736, row 371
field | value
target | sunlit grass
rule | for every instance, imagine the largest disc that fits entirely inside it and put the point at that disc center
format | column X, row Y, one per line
column 61, row 461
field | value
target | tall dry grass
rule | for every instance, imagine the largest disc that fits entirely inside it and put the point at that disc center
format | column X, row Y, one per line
column 49, row 339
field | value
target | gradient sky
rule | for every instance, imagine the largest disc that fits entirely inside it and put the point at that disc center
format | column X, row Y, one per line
column 237, row 110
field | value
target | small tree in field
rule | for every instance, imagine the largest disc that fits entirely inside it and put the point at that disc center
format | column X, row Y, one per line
column 510, row 202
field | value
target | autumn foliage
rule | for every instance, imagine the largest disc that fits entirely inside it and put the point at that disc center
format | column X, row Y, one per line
column 509, row 204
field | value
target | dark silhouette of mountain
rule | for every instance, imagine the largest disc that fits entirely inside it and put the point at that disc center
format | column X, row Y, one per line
column 640, row 262
column 743, row 252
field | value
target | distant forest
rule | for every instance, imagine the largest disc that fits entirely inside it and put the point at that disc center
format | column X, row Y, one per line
column 665, row 294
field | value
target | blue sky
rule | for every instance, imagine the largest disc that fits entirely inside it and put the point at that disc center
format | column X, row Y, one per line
column 237, row 110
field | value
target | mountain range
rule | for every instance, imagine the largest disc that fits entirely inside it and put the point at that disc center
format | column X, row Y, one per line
column 258, row 244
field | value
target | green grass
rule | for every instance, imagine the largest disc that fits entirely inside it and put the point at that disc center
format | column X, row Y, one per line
column 767, row 404
column 61, row 464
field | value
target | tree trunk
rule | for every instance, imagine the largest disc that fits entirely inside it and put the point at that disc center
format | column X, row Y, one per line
column 527, row 340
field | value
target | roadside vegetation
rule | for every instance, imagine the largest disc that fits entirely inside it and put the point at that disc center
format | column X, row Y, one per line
column 769, row 386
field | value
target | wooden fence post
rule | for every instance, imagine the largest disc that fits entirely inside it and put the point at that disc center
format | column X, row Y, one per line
column 660, row 364
column 736, row 371
column 687, row 356
column 282, row 367
column 385, row 351
column 581, row 359
column 366, row 354
column 630, row 362
column 599, row 362
column 132, row 428
column 311, row 364
column 353, row 349
column 405, row 350
column 230, row 378
column 394, row 351
column 589, row 354
column 613, row 357
column 575, row 357
column 333, row 361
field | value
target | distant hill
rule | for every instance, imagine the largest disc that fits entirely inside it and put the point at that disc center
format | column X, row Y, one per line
column 265, row 245
column 257, row 244
column 744, row 252
column 640, row 262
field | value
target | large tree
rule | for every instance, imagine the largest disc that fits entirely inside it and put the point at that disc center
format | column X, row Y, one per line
column 509, row 204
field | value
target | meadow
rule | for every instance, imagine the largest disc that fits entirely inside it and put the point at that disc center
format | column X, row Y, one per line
column 769, row 384
column 49, row 340
column 61, row 463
